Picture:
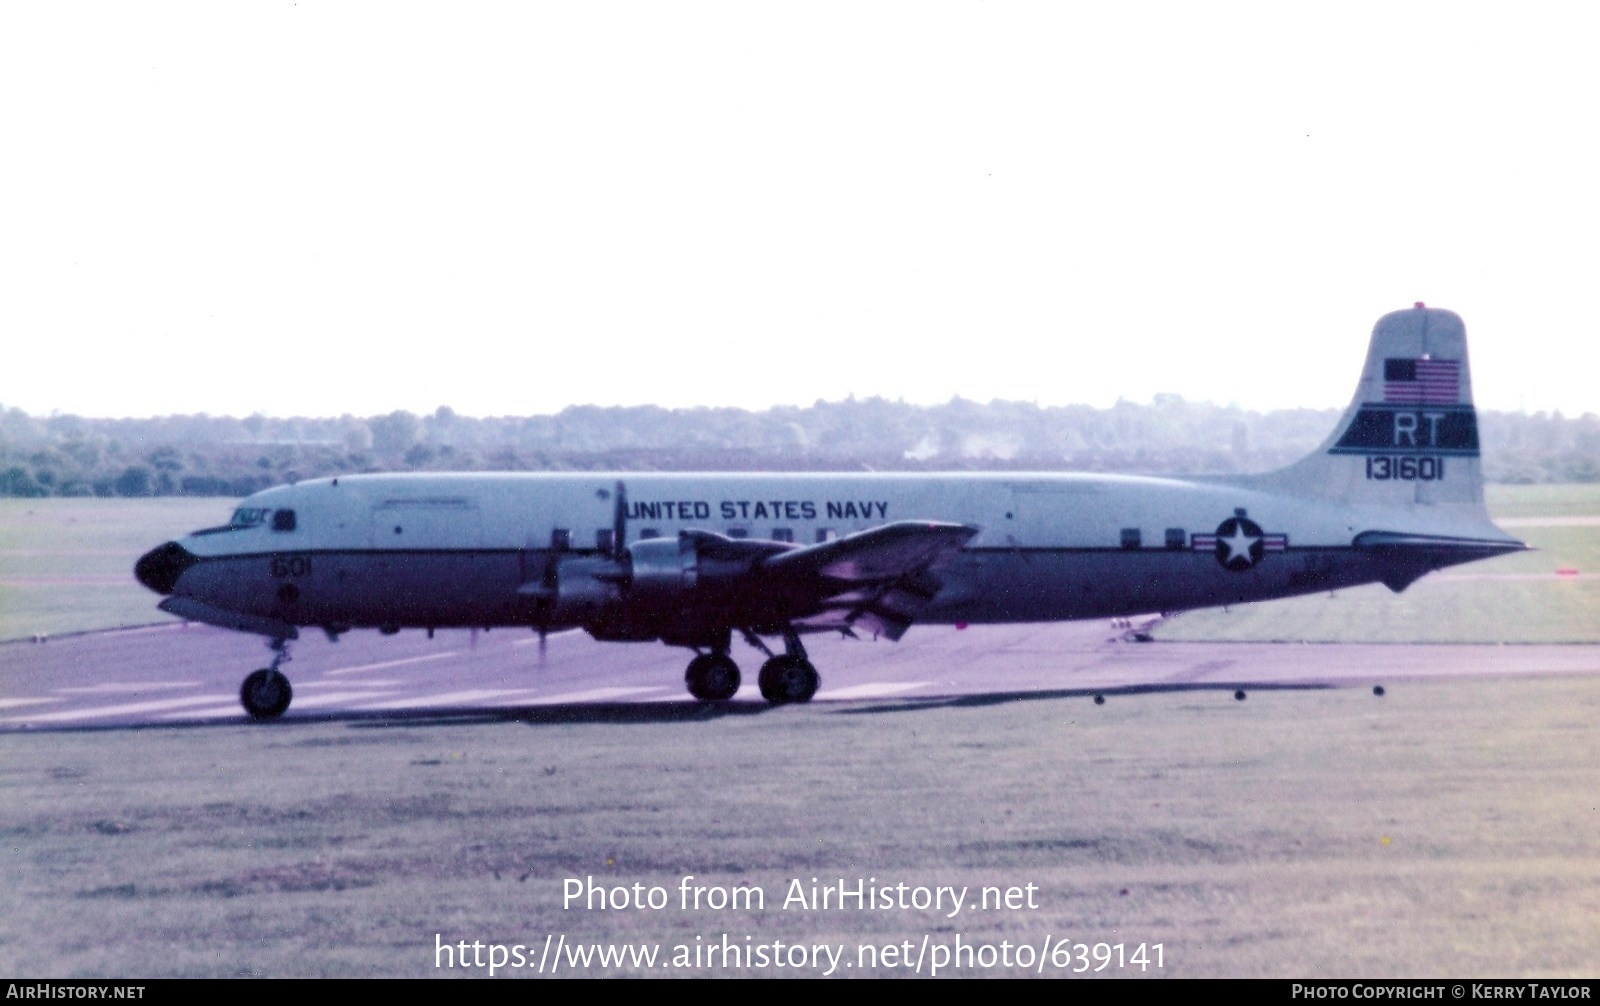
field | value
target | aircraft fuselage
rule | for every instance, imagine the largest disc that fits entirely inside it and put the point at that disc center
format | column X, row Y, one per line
column 454, row 550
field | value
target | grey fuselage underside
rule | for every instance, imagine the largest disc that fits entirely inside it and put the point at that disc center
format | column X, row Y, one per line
column 437, row 589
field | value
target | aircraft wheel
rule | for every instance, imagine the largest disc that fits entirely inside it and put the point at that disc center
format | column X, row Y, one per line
column 712, row 677
column 266, row 694
column 787, row 678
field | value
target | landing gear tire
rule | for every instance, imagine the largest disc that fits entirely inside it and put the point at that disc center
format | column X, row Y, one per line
column 712, row 677
column 787, row 678
column 266, row 694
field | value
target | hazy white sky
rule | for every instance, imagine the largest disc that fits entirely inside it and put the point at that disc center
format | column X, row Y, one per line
column 314, row 208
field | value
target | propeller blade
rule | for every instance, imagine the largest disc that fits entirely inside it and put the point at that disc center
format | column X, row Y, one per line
column 619, row 522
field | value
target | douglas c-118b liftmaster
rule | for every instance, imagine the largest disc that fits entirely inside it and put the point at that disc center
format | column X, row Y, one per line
column 692, row 559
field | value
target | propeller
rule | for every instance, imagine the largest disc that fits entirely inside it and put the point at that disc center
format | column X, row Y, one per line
column 549, row 587
column 549, row 576
column 548, row 582
column 619, row 521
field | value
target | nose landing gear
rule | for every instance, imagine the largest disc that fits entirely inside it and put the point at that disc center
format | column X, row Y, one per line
column 266, row 693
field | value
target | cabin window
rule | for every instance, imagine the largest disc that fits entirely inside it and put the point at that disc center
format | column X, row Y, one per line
column 605, row 539
column 1130, row 537
column 826, row 534
column 1176, row 539
column 649, row 533
column 783, row 534
column 283, row 520
column 738, row 532
column 560, row 539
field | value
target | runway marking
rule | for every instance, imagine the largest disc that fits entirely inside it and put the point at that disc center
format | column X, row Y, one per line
column 745, row 693
column 103, row 712
column 479, row 696
column 1506, row 576
column 597, row 695
column 219, row 712
column 549, row 636
column 359, row 668
column 677, row 694
column 35, row 552
column 365, row 683
column 10, row 703
column 234, row 710
column 872, row 691
column 139, row 630
column 85, row 579
column 332, row 699
column 1198, row 672
column 116, row 689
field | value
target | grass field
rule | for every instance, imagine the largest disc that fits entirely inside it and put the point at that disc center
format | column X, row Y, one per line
column 66, row 566
column 1445, row 830
column 1563, row 500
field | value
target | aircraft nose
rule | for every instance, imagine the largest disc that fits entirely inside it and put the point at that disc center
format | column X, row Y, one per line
column 160, row 567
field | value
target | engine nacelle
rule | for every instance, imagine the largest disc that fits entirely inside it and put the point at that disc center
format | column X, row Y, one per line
column 696, row 565
column 584, row 588
column 662, row 570
column 688, row 583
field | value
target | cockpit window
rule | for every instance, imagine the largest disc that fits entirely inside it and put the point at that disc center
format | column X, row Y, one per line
column 283, row 520
column 245, row 517
column 248, row 516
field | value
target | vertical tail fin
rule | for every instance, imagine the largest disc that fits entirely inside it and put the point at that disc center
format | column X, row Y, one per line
column 1410, row 436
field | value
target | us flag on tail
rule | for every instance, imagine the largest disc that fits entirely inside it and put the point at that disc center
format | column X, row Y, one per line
column 1421, row 381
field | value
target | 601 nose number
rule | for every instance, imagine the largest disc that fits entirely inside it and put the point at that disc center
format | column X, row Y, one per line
column 290, row 565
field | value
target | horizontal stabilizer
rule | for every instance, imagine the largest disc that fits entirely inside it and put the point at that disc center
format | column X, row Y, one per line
column 1411, row 556
column 1467, row 548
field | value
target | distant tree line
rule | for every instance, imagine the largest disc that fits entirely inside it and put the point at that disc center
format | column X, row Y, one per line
column 200, row 455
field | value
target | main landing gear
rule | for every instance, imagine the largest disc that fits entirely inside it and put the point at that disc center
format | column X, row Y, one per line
column 788, row 677
column 712, row 677
column 266, row 693
column 785, row 677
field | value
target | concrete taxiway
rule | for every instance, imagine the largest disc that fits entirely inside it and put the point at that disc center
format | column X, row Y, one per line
column 179, row 673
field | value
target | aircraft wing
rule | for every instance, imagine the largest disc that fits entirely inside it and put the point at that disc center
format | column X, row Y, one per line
column 878, row 579
column 878, row 553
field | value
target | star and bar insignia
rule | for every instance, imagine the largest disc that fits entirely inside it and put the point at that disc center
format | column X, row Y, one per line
column 1239, row 543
